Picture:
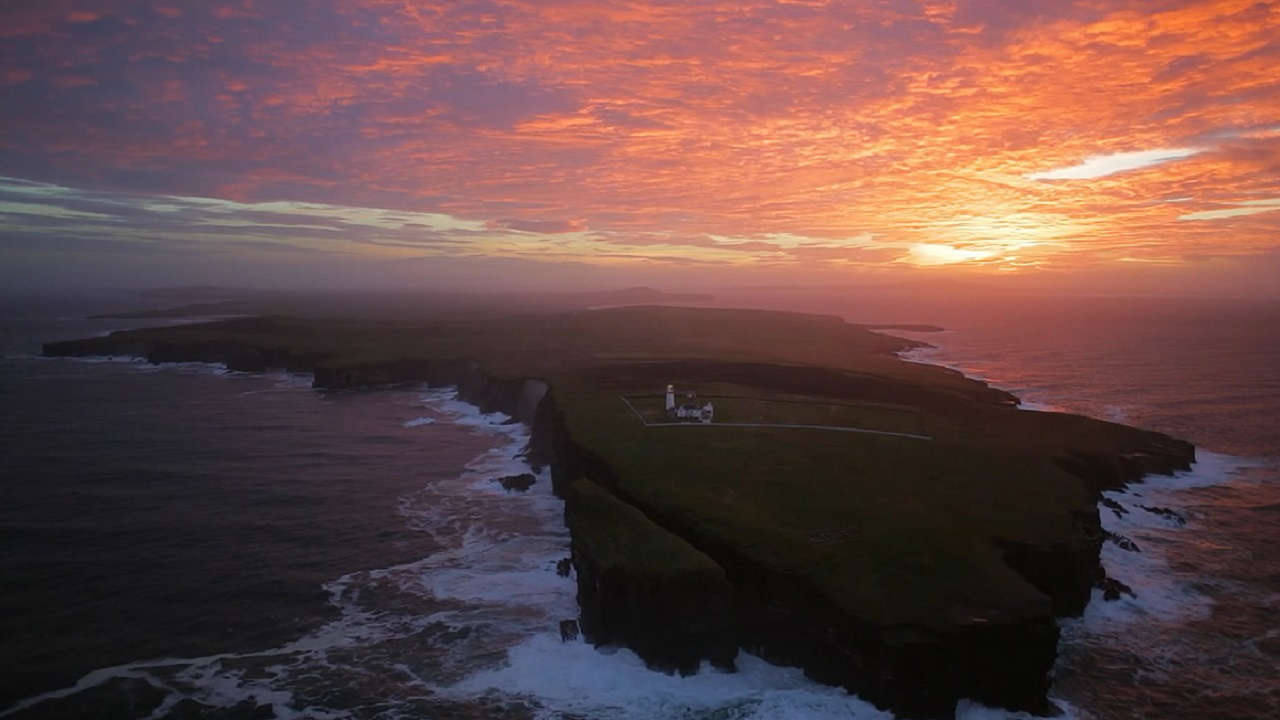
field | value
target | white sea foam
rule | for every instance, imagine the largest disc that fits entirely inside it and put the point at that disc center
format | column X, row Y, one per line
column 101, row 359
column 576, row 678
column 200, row 368
column 417, row 422
column 511, row 542
column 282, row 381
column 1161, row 593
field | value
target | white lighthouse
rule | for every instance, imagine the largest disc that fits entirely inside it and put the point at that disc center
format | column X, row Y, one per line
column 689, row 408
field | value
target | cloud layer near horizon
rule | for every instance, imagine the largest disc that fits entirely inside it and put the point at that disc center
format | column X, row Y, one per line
column 794, row 135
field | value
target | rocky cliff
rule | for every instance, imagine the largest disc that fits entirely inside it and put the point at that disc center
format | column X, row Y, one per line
column 644, row 588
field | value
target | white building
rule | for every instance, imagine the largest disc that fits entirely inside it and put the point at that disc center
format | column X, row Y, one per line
column 689, row 409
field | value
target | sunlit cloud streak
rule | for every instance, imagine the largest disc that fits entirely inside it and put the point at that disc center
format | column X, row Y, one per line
column 1000, row 136
column 1102, row 165
column 1242, row 208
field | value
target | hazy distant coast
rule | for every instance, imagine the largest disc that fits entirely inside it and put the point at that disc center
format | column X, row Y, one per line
column 226, row 302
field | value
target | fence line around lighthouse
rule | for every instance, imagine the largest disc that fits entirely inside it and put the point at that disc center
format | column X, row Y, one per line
column 836, row 428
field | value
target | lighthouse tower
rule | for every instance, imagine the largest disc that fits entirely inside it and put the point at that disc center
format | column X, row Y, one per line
column 671, row 399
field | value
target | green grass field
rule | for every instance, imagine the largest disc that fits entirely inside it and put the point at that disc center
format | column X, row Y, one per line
column 749, row 410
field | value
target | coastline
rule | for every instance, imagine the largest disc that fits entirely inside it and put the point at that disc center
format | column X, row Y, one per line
column 1149, row 522
column 480, row 591
column 1095, row 671
column 529, row 401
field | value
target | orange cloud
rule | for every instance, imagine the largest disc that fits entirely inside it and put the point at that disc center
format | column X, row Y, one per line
column 1048, row 135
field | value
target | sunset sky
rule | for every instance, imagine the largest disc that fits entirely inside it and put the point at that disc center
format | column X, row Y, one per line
column 678, row 143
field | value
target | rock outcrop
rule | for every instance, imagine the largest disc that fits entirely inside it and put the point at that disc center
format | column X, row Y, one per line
column 1066, row 573
column 517, row 483
column 1159, row 455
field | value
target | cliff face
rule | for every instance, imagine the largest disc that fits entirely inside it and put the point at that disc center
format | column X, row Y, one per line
column 1065, row 572
column 646, row 589
column 917, row 672
column 1160, row 455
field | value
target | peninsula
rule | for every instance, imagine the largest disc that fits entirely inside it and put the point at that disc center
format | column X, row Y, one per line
column 892, row 528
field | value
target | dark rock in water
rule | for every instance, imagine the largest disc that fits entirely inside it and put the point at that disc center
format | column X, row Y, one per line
column 1115, row 507
column 1154, row 454
column 245, row 359
column 564, row 566
column 1122, row 542
column 453, row 634
column 517, row 483
column 1112, row 589
column 1165, row 512
column 568, row 630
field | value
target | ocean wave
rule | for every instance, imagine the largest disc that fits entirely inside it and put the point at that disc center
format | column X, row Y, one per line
column 407, row 627
column 1155, row 516
column 577, row 679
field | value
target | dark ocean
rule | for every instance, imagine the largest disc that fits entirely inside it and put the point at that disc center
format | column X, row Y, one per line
column 183, row 542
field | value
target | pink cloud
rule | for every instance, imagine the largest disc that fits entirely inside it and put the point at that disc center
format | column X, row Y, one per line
column 666, row 125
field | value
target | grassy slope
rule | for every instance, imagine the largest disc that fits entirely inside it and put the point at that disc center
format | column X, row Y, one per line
column 620, row 536
column 918, row 517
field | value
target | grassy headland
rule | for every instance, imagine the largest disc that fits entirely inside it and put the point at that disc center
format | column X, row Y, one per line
column 878, row 533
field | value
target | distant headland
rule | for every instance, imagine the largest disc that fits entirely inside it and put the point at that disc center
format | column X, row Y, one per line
column 208, row 301
column 892, row 528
